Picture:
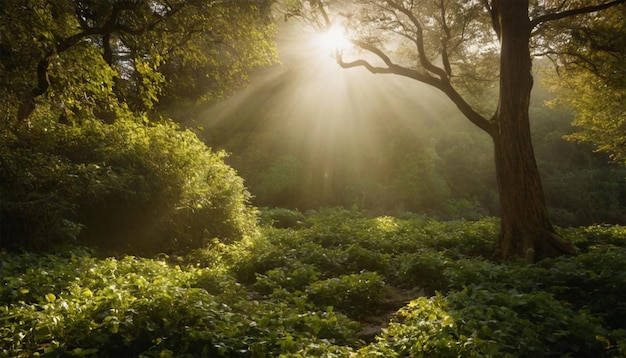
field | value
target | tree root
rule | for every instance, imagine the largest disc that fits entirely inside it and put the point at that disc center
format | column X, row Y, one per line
column 536, row 247
column 560, row 244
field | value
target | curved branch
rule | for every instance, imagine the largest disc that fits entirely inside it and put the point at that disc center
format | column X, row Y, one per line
column 391, row 69
column 442, row 85
column 573, row 12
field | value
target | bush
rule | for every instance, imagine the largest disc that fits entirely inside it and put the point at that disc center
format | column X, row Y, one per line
column 132, row 187
column 333, row 227
column 33, row 210
column 425, row 270
column 256, row 255
column 592, row 281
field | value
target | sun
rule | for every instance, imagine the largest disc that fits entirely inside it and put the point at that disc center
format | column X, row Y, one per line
column 333, row 39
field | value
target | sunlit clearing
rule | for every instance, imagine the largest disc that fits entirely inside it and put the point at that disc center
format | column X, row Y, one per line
column 333, row 39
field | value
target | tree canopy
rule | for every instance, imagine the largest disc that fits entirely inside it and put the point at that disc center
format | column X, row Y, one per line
column 82, row 58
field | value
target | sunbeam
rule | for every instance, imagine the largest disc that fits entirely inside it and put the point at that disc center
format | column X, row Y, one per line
column 337, row 122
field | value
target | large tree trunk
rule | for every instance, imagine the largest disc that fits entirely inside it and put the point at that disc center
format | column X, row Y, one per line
column 525, row 229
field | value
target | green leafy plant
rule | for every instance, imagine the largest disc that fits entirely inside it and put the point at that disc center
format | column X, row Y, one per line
column 355, row 294
column 280, row 293
column 292, row 278
column 479, row 322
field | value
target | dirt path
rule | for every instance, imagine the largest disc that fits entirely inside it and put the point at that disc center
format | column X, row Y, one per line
column 374, row 324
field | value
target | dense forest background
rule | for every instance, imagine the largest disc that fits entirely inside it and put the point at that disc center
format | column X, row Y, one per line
column 389, row 146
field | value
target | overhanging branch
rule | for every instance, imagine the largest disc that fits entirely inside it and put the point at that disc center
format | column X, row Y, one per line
column 573, row 12
column 391, row 69
column 444, row 86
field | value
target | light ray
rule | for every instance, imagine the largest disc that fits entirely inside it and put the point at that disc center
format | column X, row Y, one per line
column 337, row 122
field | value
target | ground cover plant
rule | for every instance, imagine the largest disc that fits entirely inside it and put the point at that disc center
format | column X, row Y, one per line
column 334, row 283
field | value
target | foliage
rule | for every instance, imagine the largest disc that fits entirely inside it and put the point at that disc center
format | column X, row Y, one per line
column 280, row 217
column 354, row 294
column 479, row 322
column 87, row 154
column 592, row 80
column 283, row 294
column 600, row 113
column 75, row 305
column 126, row 185
column 83, row 56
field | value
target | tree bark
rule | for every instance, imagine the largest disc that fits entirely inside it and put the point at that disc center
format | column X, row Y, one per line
column 526, row 230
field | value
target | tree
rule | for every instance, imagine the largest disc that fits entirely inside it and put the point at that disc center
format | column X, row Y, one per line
column 80, row 56
column 457, row 47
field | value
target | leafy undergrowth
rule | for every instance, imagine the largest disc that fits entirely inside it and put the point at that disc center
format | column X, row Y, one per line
column 313, row 289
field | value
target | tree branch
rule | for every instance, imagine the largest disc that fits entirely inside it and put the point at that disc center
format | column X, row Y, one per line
column 493, row 12
column 442, row 85
column 419, row 41
column 445, row 59
column 573, row 12
column 391, row 68
column 322, row 10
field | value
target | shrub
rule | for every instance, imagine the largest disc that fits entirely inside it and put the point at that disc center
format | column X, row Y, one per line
column 332, row 227
column 33, row 209
column 134, row 187
column 593, row 281
column 261, row 253
column 604, row 234
column 359, row 259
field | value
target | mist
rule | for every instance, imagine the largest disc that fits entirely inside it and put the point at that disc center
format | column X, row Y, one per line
column 307, row 133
